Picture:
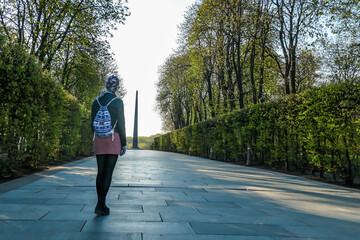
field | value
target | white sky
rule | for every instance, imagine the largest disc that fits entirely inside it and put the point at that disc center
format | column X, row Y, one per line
column 141, row 46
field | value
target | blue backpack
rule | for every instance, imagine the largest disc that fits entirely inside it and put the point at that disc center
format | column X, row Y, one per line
column 102, row 122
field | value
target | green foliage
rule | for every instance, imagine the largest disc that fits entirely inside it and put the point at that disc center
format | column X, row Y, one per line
column 317, row 129
column 53, row 61
column 39, row 121
column 233, row 54
column 68, row 38
column 143, row 142
column 46, row 27
column 76, row 137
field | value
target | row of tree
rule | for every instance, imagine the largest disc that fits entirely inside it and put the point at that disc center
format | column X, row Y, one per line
column 53, row 62
column 67, row 37
column 314, row 131
column 236, row 53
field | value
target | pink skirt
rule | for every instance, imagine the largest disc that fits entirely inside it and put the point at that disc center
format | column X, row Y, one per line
column 107, row 145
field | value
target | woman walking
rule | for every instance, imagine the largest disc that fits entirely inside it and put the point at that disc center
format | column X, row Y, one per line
column 108, row 124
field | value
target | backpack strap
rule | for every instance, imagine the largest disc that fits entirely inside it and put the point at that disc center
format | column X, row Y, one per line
column 113, row 131
column 111, row 101
column 97, row 99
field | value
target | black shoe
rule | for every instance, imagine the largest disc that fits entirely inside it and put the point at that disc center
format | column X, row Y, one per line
column 103, row 211
column 106, row 209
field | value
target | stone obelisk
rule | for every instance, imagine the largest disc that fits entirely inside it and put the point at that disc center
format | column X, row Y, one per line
column 135, row 135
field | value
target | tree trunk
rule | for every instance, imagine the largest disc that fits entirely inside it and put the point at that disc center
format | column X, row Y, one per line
column 261, row 78
column 349, row 179
column 293, row 70
column 224, row 90
column 240, row 87
column 252, row 70
column 238, row 72
column 209, row 89
column 286, row 80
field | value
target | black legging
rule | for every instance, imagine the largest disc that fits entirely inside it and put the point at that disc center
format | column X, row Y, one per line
column 106, row 164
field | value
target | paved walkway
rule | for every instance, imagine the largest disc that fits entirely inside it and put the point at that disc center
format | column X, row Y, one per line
column 167, row 196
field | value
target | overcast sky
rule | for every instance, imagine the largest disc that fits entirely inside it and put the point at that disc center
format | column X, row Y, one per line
column 141, row 46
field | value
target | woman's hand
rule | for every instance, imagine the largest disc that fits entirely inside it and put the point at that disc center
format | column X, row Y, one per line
column 123, row 151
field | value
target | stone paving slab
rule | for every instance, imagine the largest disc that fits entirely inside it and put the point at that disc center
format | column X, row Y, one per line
column 188, row 217
column 242, row 229
column 26, row 235
column 168, row 196
column 203, row 237
column 95, row 236
column 23, row 215
column 117, row 208
column 179, row 210
column 115, row 216
column 42, row 226
column 321, row 231
column 144, row 227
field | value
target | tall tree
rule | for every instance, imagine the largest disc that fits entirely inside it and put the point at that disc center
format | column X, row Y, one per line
column 240, row 48
column 67, row 37
column 293, row 19
column 259, row 38
column 43, row 27
column 201, row 46
column 175, row 92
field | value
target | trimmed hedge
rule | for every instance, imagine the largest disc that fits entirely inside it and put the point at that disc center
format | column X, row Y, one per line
column 39, row 121
column 316, row 130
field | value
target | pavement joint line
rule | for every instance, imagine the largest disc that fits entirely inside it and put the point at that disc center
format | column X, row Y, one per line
column 198, row 210
column 268, row 190
column 82, row 227
column 237, row 189
column 264, row 212
column 44, row 215
column 237, row 204
column 162, row 220
column 83, row 208
column 304, row 222
column 286, row 191
column 192, row 227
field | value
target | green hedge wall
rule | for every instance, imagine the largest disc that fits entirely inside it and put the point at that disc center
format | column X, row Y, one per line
column 316, row 130
column 39, row 121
